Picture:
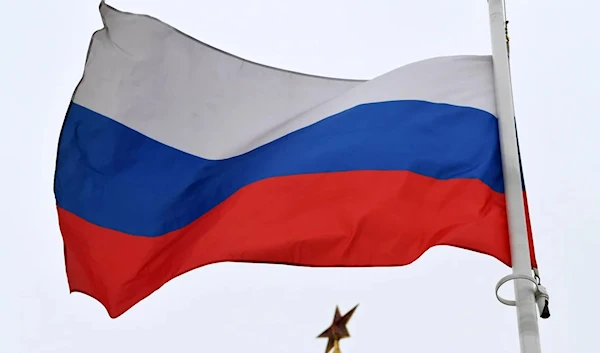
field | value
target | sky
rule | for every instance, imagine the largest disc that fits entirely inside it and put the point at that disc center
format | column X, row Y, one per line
column 442, row 302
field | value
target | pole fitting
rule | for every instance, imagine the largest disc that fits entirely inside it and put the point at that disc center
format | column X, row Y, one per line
column 541, row 293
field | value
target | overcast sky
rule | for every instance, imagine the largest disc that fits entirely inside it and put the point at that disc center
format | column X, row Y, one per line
column 444, row 302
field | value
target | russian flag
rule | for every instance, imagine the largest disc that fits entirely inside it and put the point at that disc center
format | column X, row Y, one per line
column 174, row 155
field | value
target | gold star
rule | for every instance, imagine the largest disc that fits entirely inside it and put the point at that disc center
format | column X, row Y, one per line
column 338, row 329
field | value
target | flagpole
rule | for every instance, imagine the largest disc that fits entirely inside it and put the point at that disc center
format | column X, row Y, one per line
column 519, row 241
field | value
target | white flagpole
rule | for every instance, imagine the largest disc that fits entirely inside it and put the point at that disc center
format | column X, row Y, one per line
column 525, row 301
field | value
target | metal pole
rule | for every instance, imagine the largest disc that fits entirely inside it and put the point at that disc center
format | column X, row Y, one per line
column 521, row 261
column 336, row 346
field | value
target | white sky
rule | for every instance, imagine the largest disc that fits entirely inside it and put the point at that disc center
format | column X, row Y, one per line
column 443, row 302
